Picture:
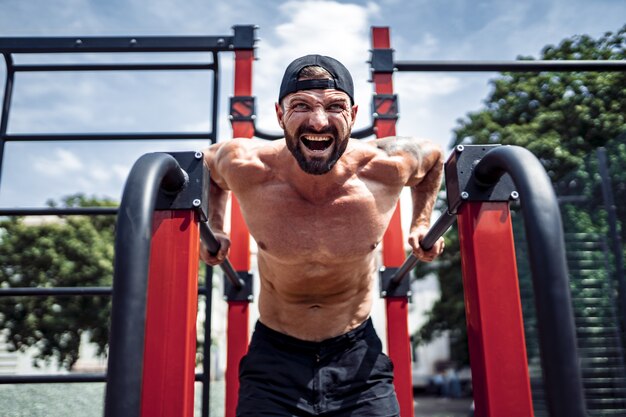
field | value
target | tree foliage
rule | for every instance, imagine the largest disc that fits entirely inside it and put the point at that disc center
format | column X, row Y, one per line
column 562, row 117
column 64, row 251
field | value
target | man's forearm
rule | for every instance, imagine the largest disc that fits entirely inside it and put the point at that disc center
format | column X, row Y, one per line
column 217, row 207
column 424, row 194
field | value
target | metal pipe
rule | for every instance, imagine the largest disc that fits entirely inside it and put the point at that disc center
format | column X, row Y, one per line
column 442, row 224
column 62, row 291
column 61, row 211
column 6, row 105
column 216, row 100
column 107, row 136
column 130, row 282
column 113, row 67
column 511, row 66
column 61, row 378
column 53, row 291
column 546, row 248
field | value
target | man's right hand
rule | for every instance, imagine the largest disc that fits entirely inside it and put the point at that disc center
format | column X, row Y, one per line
column 219, row 257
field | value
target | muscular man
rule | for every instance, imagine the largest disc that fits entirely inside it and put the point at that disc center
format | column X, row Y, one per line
column 318, row 203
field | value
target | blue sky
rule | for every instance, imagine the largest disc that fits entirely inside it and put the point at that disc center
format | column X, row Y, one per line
column 430, row 104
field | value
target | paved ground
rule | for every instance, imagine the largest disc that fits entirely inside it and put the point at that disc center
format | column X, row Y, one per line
column 442, row 407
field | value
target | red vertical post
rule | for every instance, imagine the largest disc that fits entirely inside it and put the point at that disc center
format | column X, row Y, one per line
column 238, row 311
column 493, row 311
column 398, row 342
column 172, row 304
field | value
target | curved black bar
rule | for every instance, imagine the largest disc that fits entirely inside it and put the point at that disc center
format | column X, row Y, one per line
column 442, row 224
column 363, row 133
column 258, row 133
column 207, row 236
column 546, row 247
column 130, row 282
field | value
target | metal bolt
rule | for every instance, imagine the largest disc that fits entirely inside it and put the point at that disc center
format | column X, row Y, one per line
column 383, row 293
column 196, row 202
column 225, row 298
column 464, row 195
column 514, row 195
column 253, row 117
column 220, row 42
column 133, row 42
column 375, row 114
column 198, row 155
column 78, row 42
column 250, row 298
column 459, row 148
column 409, row 293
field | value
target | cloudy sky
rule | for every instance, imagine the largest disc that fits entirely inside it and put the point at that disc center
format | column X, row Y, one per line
column 430, row 104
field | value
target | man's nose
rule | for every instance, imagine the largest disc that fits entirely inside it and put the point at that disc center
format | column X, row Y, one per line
column 318, row 118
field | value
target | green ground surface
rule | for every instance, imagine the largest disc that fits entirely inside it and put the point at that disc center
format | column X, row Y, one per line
column 69, row 400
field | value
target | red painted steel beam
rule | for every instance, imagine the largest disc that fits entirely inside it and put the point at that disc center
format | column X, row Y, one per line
column 238, row 311
column 493, row 311
column 398, row 341
column 172, row 305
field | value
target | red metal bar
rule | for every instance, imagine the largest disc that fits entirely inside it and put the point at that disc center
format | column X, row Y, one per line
column 398, row 342
column 170, row 341
column 493, row 310
column 238, row 311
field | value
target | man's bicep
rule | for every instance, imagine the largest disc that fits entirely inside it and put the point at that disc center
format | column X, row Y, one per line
column 417, row 156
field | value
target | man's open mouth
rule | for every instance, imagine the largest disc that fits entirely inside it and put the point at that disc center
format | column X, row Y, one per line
column 317, row 143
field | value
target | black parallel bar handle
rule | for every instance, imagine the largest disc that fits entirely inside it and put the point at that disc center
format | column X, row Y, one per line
column 213, row 246
column 130, row 282
column 442, row 224
column 546, row 250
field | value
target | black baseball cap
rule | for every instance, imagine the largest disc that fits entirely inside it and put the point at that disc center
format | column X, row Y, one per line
column 342, row 80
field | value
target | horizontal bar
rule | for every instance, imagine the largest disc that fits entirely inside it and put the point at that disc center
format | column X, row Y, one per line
column 35, row 45
column 52, row 291
column 106, row 136
column 512, row 66
column 64, row 378
column 113, row 67
column 213, row 246
column 442, row 224
column 54, row 211
column 60, row 291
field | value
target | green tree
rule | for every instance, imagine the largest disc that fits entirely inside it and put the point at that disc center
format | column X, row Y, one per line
column 64, row 251
column 562, row 117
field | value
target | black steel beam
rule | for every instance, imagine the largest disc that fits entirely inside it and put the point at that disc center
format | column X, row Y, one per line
column 35, row 45
column 511, row 66
column 65, row 378
column 106, row 136
column 54, row 211
column 114, row 67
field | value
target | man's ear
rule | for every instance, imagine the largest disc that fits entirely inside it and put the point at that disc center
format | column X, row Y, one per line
column 354, row 111
column 279, row 115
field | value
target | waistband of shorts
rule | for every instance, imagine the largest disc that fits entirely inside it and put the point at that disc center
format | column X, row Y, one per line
column 360, row 332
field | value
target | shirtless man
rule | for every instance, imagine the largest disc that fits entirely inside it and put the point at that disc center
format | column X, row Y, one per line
column 318, row 203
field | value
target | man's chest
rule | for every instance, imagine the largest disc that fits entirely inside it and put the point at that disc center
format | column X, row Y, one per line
column 288, row 225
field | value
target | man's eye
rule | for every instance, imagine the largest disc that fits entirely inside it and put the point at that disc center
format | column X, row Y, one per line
column 336, row 107
column 300, row 107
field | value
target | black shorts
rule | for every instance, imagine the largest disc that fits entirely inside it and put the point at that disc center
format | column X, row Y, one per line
column 348, row 375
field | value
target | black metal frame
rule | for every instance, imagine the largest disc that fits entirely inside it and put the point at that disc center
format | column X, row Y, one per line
column 242, row 38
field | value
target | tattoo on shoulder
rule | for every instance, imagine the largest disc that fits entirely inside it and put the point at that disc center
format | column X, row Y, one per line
column 398, row 144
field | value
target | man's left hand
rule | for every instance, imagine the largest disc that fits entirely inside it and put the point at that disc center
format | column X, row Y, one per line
column 415, row 236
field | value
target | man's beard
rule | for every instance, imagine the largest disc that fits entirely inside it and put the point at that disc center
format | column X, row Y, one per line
column 316, row 165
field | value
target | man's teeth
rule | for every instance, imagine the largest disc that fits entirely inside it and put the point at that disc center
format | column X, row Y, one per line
column 317, row 138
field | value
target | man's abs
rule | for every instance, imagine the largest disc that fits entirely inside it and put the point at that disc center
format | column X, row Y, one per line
column 300, row 303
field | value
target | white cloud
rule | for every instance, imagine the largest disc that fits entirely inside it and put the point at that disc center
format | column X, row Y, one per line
column 314, row 26
column 61, row 163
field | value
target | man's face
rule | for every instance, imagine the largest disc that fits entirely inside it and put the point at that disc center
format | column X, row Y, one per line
column 317, row 125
